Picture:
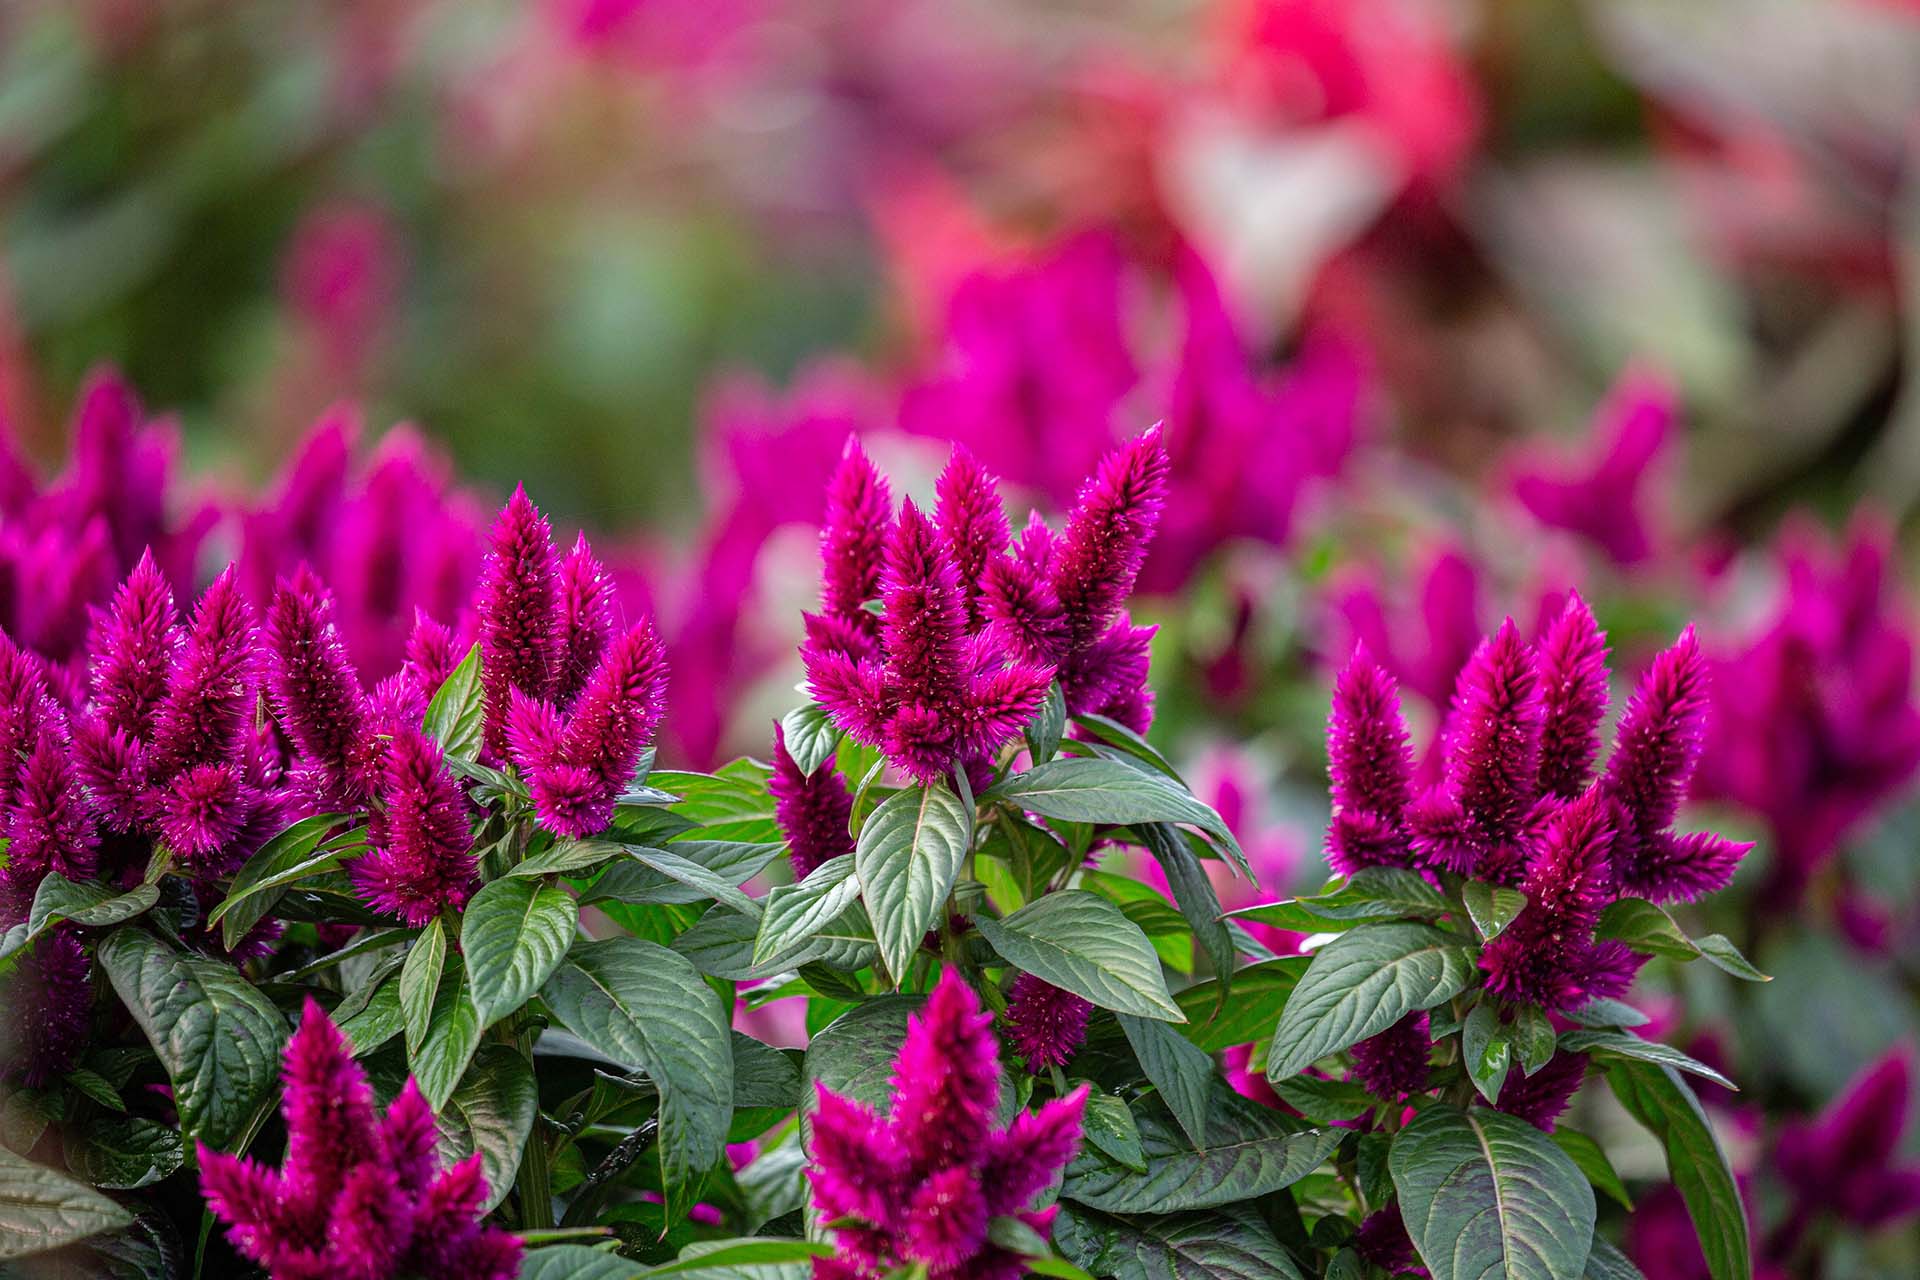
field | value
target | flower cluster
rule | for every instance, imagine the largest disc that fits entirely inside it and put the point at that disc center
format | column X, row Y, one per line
column 360, row 1196
column 974, row 624
column 1519, row 804
column 923, row 1183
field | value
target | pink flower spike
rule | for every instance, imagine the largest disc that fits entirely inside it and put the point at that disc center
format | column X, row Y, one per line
column 132, row 648
column 518, row 605
column 1045, row 1025
column 586, row 610
column 315, row 687
column 1107, row 535
column 209, row 703
column 813, row 809
column 1656, row 747
column 973, row 522
column 1370, row 767
column 1573, row 684
column 852, row 540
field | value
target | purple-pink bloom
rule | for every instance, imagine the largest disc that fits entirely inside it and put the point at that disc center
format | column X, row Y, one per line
column 813, row 810
column 853, row 542
column 45, row 1010
column 1045, row 1025
column 1603, row 495
column 586, row 619
column 359, row 1194
column 1393, row 1064
column 519, row 603
column 973, row 522
column 209, row 703
column 1369, row 768
column 420, row 845
column 1541, row 1097
column 1573, row 694
column 1543, row 957
column 130, row 653
column 316, row 690
column 925, row 1180
column 1846, row 1162
column 46, row 820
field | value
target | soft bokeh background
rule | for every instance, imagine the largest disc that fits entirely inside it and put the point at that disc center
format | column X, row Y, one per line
column 1459, row 303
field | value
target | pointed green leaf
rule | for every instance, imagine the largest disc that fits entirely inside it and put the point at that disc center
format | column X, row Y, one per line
column 810, row 735
column 1624, row 1044
column 1087, row 789
column 1085, row 944
column 492, row 1113
column 1220, row 1244
column 793, row 913
column 1109, row 1125
column 1250, row 1151
column 1658, row 1098
column 514, row 933
column 454, row 716
column 1491, row 907
column 1048, row 726
column 1363, row 982
column 453, row 1033
column 292, row 855
column 420, row 980
column 42, row 1210
column 907, row 857
column 1592, row 1161
column 1182, row 1073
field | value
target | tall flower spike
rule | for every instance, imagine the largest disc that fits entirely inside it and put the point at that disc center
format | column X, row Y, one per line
column 431, row 653
column 1393, row 1064
column 315, row 688
column 853, row 539
column 1573, row 686
column 1045, row 1025
column 813, row 809
column 1545, row 956
column 586, row 610
column 210, row 699
column 420, row 856
column 518, row 605
column 946, row 1081
column 1847, row 1160
column 1541, row 1097
column 1107, row 535
column 597, row 753
column 924, row 637
column 132, row 649
column 1370, row 766
column 357, row 1196
column 973, row 522
column 48, row 825
column 44, row 1010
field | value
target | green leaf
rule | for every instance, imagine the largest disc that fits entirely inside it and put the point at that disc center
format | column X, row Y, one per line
column 122, row 1153
column 1082, row 943
column 1378, row 893
column 907, row 857
column 1109, row 1126
column 1657, row 1097
column 1250, row 1151
column 811, row 736
column 1363, row 982
column 92, row 905
column 292, row 855
column 420, row 980
column 1120, row 737
column 97, row 1087
column 1491, row 907
column 649, row 1009
column 1649, row 929
column 42, row 1210
column 1486, row 1050
column 458, row 708
column 853, row 1055
column 514, row 933
column 793, row 913
column 217, row 1037
column 453, row 1033
column 379, row 1020
column 1224, row 1244
column 1083, row 789
column 567, row 858
column 1260, row 992
column 704, row 882
column 1326, row 1101
column 1533, row 1037
column 1048, row 726
column 1592, row 1161
column 1605, row 1262
column 733, row 862
column 1624, row 1044
column 1487, row 1194
column 577, row 1262
column 1193, row 893
column 1181, row 1072
column 722, row 1257
column 491, row 1112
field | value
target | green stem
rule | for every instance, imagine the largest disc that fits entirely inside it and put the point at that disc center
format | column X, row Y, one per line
column 534, row 1182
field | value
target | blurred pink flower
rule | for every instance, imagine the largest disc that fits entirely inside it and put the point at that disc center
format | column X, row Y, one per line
column 1603, row 494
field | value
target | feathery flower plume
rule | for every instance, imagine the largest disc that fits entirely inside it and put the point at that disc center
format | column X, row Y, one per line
column 1544, row 957
column 1370, row 766
column 1846, row 1162
column 209, row 702
column 44, row 1010
column 47, row 823
column 1493, row 759
column 316, row 690
column 1382, row 1240
column 1602, row 495
column 586, row 611
column 1573, row 689
column 1393, row 1064
column 518, row 603
column 420, row 846
column 359, row 1195
column 853, row 541
column 973, row 522
column 925, row 1181
column 813, row 809
column 1045, row 1025
column 132, row 648
column 1541, row 1097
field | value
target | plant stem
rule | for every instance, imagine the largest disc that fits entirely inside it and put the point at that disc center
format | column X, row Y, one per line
column 534, row 1183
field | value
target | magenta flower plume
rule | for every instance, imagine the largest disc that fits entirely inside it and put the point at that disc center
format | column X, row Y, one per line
column 359, row 1195
column 1846, row 1162
column 1573, row 689
column 1541, row 1097
column 432, row 653
column 853, row 541
column 47, row 821
column 420, row 854
column 1602, row 496
column 132, row 648
column 1545, row 957
column 210, row 696
column 577, row 767
column 1370, row 766
column 45, row 1010
column 1656, row 747
column 1045, row 1025
column 316, row 690
column 1393, row 1064
column 813, row 810
column 973, row 522
column 586, row 612
column 1493, row 760
column 925, row 1181
column 518, row 602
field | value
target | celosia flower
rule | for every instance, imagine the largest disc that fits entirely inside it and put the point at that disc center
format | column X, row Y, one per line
column 46, row 820
column 519, row 608
column 1846, row 1162
column 1382, row 1241
column 1045, row 1025
column 1545, row 957
column 1541, row 1097
column 359, row 1195
column 853, row 542
column 1815, row 724
column 420, row 846
column 44, row 1010
column 813, row 810
column 1602, row 497
column 926, row 1180
column 316, row 690
column 130, row 653
column 210, row 695
column 1370, row 768
column 1573, row 694
column 1393, row 1064
column 586, row 619
column 974, row 524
